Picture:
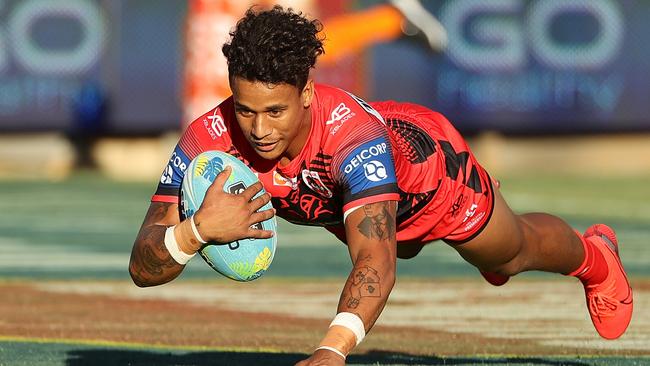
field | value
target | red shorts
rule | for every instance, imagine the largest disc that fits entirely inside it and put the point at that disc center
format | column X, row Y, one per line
column 463, row 217
column 464, row 196
column 475, row 213
column 472, row 207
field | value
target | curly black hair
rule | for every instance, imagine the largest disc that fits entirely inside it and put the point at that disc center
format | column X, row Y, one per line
column 276, row 46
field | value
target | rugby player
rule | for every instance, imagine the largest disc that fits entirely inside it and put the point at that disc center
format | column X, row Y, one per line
column 386, row 178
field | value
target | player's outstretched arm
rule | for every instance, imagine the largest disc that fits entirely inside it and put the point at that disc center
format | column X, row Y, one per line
column 372, row 243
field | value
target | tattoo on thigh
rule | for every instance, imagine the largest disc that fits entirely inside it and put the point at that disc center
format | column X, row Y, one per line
column 378, row 222
column 364, row 283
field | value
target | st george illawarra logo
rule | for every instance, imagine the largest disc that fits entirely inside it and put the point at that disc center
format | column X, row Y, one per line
column 313, row 181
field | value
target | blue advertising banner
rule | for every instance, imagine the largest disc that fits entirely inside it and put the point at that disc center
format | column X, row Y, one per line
column 69, row 63
column 529, row 66
column 46, row 50
column 516, row 66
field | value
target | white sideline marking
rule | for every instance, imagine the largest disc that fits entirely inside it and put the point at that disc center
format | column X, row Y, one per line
column 20, row 254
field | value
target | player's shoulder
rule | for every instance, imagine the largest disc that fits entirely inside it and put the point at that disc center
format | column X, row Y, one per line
column 339, row 111
column 326, row 93
column 390, row 109
column 214, row 126
column 336, row 103
column 217, row 119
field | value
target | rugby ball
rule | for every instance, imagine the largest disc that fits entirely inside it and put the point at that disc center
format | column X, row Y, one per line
column 241, row 260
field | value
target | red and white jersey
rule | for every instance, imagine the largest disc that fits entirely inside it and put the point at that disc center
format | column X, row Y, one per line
column 352, row 157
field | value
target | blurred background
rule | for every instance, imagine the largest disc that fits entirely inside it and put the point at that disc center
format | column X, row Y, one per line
column 91, row 82
column 554, row 97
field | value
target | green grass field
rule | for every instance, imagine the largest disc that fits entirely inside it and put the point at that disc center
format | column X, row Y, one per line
column 57, row 230
column 83, row 229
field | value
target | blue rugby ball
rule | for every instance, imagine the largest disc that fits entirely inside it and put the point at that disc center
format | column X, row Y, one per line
column 241, row 260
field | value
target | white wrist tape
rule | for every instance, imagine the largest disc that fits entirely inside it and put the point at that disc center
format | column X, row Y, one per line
column 352, row 322
column 196, row 231
column 333, row 350
column 172, row 246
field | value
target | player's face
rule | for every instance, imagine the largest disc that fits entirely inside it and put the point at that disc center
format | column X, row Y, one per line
column 275, row 119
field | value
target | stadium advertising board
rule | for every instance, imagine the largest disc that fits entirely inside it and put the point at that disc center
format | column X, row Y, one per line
column 530, row 66
column 42, row 71
column 61, row 59
column 522, row 66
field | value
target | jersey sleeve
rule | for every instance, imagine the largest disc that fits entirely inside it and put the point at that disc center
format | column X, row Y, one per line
column 363, row 165
column 208, row 132
column 169, row 186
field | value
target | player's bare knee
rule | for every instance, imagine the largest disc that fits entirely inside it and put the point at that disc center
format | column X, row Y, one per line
column 509, row 261
column 510, row 268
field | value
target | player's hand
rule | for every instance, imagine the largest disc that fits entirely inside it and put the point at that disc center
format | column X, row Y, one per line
column 323, row 357
column 225, row 217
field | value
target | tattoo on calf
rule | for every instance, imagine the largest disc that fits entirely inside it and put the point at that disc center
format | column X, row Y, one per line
column 364, row 283
column 378, row 222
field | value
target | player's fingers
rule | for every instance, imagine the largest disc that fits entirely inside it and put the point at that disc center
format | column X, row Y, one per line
column 252, row 190
column 259, row 202
column 259, row 234
column 262, row 216
column 221, row 178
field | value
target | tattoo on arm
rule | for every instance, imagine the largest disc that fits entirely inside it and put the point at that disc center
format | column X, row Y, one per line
column 378, row 223
column 364, row 283
column 153, row 258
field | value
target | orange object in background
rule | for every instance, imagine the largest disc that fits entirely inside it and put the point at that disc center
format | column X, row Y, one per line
column 205, row 72
column 351, row 33
column 348, row 34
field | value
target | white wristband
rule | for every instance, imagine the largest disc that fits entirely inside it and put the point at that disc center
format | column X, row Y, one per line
column 352, row 322
column 196, row 231
column 332, row 349
column 172, row 246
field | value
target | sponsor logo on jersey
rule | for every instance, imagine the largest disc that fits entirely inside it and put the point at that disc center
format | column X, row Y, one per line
column 375, row 171
column 166, row 177
column 472, row 217
column 281, row 181
column 215, row 125
column 365, row 154
column 175, row 169
column 369, row 165
column 178, row 160
column 313, row 181
column 339, row 113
